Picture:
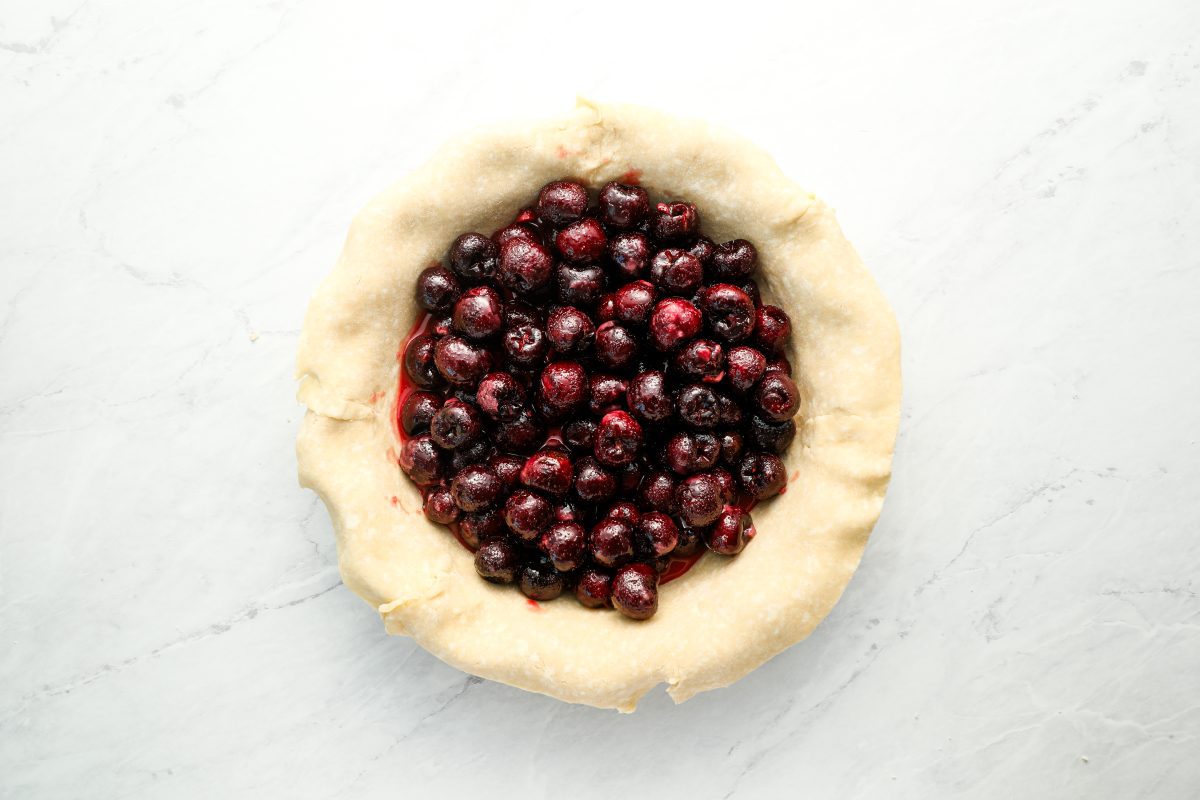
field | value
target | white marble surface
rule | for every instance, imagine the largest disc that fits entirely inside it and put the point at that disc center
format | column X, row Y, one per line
column 1024, row 179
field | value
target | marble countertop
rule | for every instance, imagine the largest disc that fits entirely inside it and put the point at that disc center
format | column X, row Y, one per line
column 1023, row 178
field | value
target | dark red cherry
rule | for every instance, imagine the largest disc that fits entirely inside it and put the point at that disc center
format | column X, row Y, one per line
column 625, row 511
column 727, row 482
column 687, row 452
column 507, row 468
column 475, row 488
column 437, row 288
column 567, row 511
column 698, row 406
column 569, row 330
column 728, row 311
column 594, row 588
column 561, row 202
column 731, row 531
column 729, row 411
column 497, row 561
column 673, row 322
column 659, row 531
column 440, row 324
column 676, row 271
column 630, row 253
column 623, row 206
column 422, row 461
column 774, row 437
column 619, row 438
column 779, row 363
column 635, row 591
column 657, row 492
column 581, row 242
column 648, row 396
column 460, row 362
column 731, row 446
column 703, row 249
column 525, row 345
column 593, row 482
column 549, row 471
column 525, row 265
column 761, row 475
column 500, row 396
column 517, row 230
column 629, row 478
column 776, row 398
column 580, row 284
column 479, row 313
column 539, row 580
column 606, row 309
column 615, row 345
column 606, row 392
column 523, row 434
column 633, row 302
column 417, row 410
column 751, row 290
column 772, row 327
column 562, row 387
column 479, row 526
column 745, row 366
column 565, row 544
column 691, row 542
column 611, row 542
column 674, row 222
column 518, row 312
column 420, row 362
column 736, row 259
column 440, row 507
column 579, row 435
column 699, row 498
column 701, row 359
column 476, row 452
column 473, row 257
column 527, row 513
column 456, row 424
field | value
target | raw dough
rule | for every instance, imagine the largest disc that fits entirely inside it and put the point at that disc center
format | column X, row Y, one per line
column 727, row 615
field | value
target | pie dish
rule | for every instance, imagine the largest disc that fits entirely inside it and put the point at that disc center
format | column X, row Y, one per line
column 720, row 620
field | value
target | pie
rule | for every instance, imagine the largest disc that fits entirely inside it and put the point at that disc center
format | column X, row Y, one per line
column 594, row 400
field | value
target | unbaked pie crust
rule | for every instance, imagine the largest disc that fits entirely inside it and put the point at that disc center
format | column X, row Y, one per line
column 726, row 616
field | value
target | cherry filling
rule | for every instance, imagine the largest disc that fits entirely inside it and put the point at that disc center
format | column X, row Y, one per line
column 596, row 396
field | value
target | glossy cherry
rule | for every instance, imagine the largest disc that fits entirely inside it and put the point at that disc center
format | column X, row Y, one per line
column 479, row 312
column 527, row 513
column 561, row 202
column 630, row 254
column 474, row 257
column 417, row 410
column 565, row 544
column 548, row 470
column 761, row 475
column 437, row 288
column 497, row 561
column 635, row 591
column 772, row 327
column 623, row 206
column 672, row 322
column 674, row 222
column 611, row 542
column 581, row 242
column 594, row 588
